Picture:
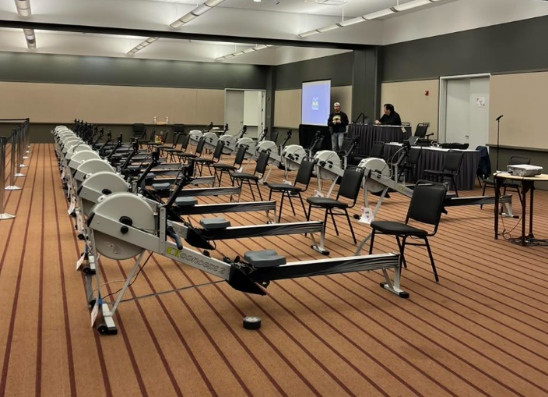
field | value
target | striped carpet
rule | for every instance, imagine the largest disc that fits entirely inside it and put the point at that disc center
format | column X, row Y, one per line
column 482, row 331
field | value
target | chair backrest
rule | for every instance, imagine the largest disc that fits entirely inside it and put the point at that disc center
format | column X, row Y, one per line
column 427, row 203
column 176, row 137
column 453, row 161
column 180, row 128
column 516, row 160
column 240, row 155
column 185, row 141
column 348, row 146
column 376, row 150
column 218, row 152
column 414, row 156
column 421, row 130
column 484, row 166
column 350, row 185
column 200, row 146
column 262, row 163
column 304, row 175
column 139, row 129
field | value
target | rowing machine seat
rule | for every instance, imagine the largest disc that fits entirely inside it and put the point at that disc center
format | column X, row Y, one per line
column 161, row 186
column 264, row 258
column 214, row 223
column 186, row 201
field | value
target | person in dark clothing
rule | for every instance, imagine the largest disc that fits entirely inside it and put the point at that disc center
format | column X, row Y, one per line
column 390, row 116
column 337, row 122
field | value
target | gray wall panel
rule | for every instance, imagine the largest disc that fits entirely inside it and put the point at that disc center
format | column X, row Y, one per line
column 45, row 68
column 338, row 68
column 511, row 47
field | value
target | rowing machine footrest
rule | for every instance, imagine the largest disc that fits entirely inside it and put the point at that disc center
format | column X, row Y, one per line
column 134, row 168
column 186, row 201
column 161, row 186
column 150, row 175
column 450, row 196
column 264, row 258
column 214, row 223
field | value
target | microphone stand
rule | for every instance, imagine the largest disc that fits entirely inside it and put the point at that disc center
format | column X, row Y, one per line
column 498, row 141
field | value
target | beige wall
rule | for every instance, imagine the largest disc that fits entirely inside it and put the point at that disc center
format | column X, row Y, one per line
column 61, row 103
column 523, row 100
column 287, row 105
column 412, row 104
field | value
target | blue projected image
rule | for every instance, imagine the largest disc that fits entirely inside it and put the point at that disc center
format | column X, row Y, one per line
column 315, row 106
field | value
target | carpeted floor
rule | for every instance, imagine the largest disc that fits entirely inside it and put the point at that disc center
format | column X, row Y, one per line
column 483, row 330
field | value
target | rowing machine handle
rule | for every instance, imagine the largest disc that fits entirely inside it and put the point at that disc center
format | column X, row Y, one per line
column 171, row 233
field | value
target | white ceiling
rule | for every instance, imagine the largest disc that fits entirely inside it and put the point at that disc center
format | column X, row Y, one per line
column 245, row 18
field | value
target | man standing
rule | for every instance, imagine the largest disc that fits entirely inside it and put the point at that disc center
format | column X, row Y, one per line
column 390, row 116
column 337, row 123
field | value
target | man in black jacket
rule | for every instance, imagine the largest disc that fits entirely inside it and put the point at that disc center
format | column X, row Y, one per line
column 390, row 116
column 337, row 122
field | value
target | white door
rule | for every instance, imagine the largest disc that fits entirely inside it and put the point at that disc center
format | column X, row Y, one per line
column 467, row 111
column 234, row 111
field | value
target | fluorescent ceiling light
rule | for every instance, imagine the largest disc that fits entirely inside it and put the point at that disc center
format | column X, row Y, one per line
column 246, row 51
column 350, row 22
column 213, row 3
column 142, row 45
column 411, row 5
column 378, row 14
column 23, row 7
column 328, row 28
column 309, row 33
column 201, row 9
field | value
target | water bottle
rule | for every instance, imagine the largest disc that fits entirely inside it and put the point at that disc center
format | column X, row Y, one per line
column 155, row 120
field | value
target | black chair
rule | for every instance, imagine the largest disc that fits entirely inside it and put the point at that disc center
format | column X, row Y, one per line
column 179, row 128
column 260, row 168
column 426, row 207
column 173, row 150
column 304, row 175
column 450, row 169
column 197, row 153
column 221, row 168
column 350, row 188
column 410, row 164
column 215, row 158
column 140, row 131
column 421, row 130
column 376, row 150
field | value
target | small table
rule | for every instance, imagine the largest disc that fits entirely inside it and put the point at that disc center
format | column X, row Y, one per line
column 527, row 185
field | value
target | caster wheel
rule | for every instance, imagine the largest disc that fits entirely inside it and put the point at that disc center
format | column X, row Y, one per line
column 87, row 270
column 103, row 330
column 91, row 303
column 81, row 237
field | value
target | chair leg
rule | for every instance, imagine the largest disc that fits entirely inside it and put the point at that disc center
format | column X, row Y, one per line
column 259, row 190
column 333, row 219
column 350, row 226
column 302, row 203
column 431, row 259
column 325, row 221
column 402, row 249
column 372, row 242
column 270, row 195
column 483, row 193
column 250, row 189
column 309, row 212
column 291, row 203
column 455, row 185
column 281, row 207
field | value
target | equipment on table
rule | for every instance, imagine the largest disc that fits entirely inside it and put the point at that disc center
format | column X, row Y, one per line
column 524, row 170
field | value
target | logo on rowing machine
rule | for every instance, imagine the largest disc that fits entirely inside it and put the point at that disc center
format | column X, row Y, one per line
column 204, row 263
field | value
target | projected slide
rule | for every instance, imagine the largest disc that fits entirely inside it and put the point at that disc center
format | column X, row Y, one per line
column 316, row 102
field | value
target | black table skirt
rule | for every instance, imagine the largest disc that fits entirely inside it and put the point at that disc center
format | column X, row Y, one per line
column 433, row 160
column 369, row 134
column 308, row 132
